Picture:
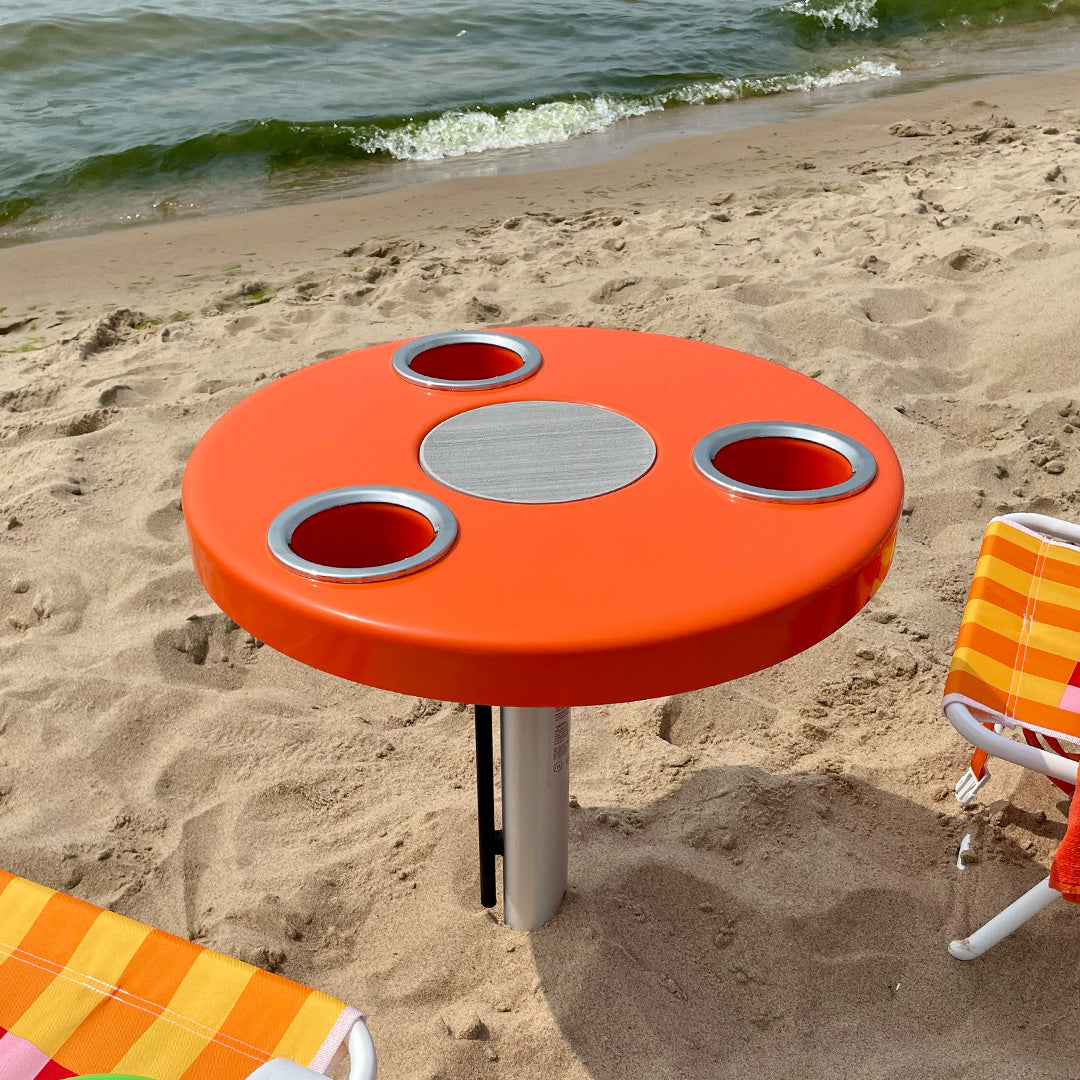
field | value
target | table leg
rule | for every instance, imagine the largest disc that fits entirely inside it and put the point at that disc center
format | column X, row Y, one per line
column 535, row 813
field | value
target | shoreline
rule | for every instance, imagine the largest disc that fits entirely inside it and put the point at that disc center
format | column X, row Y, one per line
column 1024, row 51
column 763, row 874
column 620, row 169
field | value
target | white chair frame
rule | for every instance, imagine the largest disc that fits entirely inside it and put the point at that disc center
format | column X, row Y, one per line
column 361, row 1061
column 1029, row 757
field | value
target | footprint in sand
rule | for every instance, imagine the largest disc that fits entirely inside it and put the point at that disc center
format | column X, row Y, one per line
column 619, row 290
column 166, row 523
column 210, row 651
column 120, row 394
column 213, row 386
column 116, row 328
column 969, row 260
column 29, row 398
column 898, row 305
column 250, row 294
column 52, row 603
column 86, row 423
column 763, row 295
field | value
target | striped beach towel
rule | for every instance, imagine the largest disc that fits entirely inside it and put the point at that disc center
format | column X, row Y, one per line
column 1017, row 657
column 83, row 990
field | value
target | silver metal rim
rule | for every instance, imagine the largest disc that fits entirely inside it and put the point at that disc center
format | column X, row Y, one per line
column 279, row 535
column 863, row 465
column 526, row 350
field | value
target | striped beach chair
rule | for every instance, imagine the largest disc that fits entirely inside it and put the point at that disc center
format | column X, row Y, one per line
column 86, row 991
column 1017, row 665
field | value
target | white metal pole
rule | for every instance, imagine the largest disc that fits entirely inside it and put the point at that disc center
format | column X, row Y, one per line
column 1005, row 922
column 535, row 813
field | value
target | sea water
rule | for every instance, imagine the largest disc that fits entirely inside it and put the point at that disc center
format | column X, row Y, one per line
column 114, row 113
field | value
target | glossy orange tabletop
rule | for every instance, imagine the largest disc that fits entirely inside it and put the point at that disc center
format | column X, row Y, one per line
column 667, row 584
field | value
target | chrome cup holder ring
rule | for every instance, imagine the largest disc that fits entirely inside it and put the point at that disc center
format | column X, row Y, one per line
column 784, row 462
column 387, row 532
column 467, row 360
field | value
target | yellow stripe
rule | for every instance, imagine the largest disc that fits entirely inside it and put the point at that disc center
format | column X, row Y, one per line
column 1051, row 639
column 194, row 1015
column 994, row 618
column 1058, row 550
column 91, row 973
column 1052, row 592
column 1012, row 534
column 305, row 1035
column 1001, row 678
column 20, row 905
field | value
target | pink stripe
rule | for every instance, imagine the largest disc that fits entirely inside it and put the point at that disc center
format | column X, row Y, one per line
column 20, row 1060
column 1070, row 700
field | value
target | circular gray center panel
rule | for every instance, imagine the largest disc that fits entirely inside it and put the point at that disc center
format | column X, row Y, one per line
column 537, row 451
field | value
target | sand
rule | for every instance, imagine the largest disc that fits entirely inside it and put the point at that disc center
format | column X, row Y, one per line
column 763, row 875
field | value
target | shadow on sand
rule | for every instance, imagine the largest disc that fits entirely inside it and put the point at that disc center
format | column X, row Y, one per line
column 795, row 926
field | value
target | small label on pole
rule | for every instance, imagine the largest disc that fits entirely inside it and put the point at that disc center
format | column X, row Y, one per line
column 562, row 740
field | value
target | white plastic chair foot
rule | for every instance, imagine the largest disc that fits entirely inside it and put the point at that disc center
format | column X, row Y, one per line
column 1004, row 923
column 967, row 787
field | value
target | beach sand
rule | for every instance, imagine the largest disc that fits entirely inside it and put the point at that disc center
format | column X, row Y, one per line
column 763, row 875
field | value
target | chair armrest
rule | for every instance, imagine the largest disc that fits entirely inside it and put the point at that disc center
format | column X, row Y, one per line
column 361, row 1061
column 1061, row 530
column 1000, row 746
column 361, row 1053
column 284, row 1069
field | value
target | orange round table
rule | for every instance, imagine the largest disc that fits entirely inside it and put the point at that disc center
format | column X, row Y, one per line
column 542, row 517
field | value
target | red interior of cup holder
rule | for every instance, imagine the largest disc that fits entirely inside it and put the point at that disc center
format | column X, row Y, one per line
column 782, row 464
column 362, row 534
column 465, row 362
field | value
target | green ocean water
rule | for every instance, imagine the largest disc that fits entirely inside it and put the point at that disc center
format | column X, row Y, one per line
column 127, row 113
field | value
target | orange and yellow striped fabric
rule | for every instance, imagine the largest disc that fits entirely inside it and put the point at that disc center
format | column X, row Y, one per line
column 84, row 990
column 1017, row 657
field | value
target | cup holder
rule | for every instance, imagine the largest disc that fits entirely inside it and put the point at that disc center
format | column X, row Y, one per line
column 358, row 534
column 785, row 462
column 467, row 360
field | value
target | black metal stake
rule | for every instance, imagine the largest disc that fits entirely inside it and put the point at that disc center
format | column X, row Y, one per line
column 490, row 837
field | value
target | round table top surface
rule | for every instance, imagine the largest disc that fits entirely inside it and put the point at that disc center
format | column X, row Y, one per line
column 588, row 558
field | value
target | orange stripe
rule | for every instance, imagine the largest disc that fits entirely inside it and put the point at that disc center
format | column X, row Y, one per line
column 145, row 987
column 997, row 546
column 253, row 1021
column 223, row 1063
column 195, row 1012
column 5, row 879
column 993, row 592
column 55, row 935
column 959, row 681
column 999, row 647
column 1032, row 712
column 1055, row 566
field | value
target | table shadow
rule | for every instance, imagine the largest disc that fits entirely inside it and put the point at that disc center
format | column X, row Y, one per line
column 752, row 925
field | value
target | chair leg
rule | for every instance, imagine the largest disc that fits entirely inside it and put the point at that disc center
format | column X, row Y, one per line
column 1004, row 923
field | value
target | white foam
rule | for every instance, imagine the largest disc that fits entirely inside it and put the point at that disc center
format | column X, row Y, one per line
column 729, row 89
column 860, row 72
column 457, row 132
column 854, row 14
